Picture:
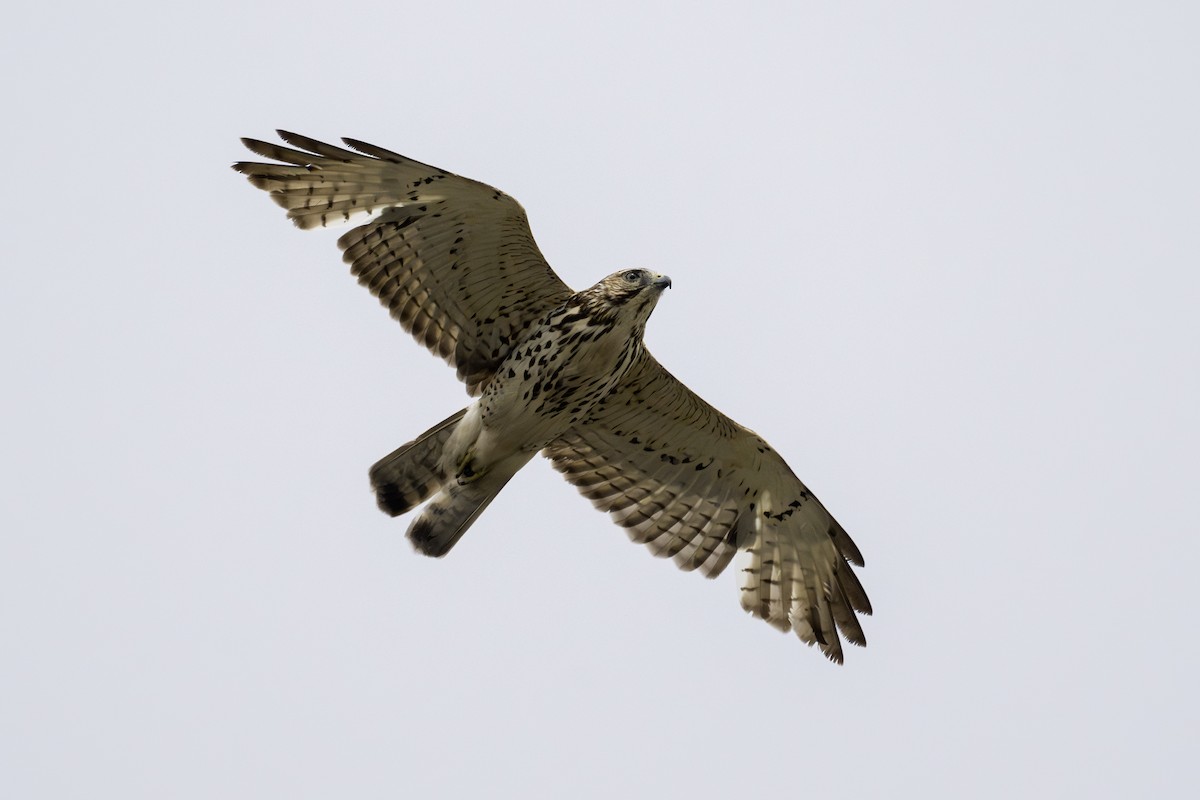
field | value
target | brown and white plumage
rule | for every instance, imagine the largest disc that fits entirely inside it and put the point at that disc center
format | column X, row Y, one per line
column 692, row 484
column 565, row 373
column 452, row 259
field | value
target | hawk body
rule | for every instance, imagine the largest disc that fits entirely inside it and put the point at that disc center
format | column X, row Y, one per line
column 566, row 374
column 572, row 358
column 559, row 367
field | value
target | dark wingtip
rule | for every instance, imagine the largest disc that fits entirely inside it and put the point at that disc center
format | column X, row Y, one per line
column 375, row 151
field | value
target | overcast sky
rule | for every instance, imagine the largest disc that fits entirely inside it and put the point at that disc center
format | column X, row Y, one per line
column 943, row 256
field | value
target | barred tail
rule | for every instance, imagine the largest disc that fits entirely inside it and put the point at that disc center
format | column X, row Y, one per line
column 413, row 473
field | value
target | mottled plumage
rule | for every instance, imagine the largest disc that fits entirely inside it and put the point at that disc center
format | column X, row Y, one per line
column 567, row 374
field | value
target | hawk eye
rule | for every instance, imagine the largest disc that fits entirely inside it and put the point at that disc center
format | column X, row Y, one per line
column 633, row 276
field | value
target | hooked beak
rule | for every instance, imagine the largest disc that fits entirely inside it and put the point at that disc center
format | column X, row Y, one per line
column 661, row 281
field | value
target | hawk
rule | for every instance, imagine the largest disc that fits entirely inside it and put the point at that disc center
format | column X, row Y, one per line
column 566, row 374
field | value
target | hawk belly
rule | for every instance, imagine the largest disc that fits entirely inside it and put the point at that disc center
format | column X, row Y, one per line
column 556, row 373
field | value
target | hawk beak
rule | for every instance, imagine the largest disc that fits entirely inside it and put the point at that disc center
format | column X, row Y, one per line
column 661, row 281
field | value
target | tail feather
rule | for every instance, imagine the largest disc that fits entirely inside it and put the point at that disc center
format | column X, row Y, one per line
column 413, row 473
column 448, row 516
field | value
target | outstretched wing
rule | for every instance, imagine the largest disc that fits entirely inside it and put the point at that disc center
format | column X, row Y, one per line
column 692, row 484
column 452, row 259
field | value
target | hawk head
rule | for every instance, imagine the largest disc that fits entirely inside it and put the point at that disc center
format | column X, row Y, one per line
column 630, row 294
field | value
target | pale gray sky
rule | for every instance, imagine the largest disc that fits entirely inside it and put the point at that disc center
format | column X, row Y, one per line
column 942, row 255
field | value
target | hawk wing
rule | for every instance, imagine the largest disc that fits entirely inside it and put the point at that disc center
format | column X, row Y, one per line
column 692, row 484
column 452, row 259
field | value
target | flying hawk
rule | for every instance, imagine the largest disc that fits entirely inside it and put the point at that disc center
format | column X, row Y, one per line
column 564, row 373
